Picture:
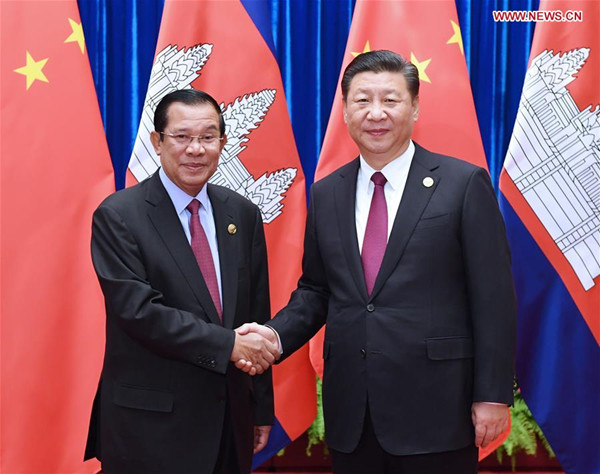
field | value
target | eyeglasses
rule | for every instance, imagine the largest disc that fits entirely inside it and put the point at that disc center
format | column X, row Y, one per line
column 183, row 139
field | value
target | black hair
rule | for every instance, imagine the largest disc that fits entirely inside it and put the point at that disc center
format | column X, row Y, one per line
column 381, row 61
column 189, row 97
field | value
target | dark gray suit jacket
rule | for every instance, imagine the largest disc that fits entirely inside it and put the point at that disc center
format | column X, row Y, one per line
column 160, row 405
column 438, row 331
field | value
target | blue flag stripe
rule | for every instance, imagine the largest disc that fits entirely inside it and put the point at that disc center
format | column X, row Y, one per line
column 260, row 13
column 558, row 358
column 278, row 440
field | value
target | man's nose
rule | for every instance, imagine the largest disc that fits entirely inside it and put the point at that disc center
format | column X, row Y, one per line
column 196, row 146
column 376, row 111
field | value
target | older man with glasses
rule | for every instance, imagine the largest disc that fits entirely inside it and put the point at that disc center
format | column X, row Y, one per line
column 181, row 264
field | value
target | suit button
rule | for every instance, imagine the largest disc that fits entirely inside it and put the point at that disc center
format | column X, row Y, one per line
column 370, row 308
column 363, row 353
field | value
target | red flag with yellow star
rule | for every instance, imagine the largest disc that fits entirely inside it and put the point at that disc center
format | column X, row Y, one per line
column 428, row 34
column 55, row 170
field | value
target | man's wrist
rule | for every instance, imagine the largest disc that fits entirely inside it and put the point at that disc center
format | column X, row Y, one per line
column 278, row 339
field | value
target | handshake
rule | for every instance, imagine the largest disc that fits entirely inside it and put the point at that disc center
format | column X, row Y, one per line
column 255, row 349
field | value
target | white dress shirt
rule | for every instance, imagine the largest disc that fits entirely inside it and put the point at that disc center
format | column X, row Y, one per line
column 181, row 200
column 396, row 173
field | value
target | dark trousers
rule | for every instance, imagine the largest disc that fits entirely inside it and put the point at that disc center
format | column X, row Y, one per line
column 227, row 462
column 369, row 457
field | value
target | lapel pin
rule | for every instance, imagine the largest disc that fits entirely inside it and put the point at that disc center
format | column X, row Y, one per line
column 232, row 229
column 427, row 182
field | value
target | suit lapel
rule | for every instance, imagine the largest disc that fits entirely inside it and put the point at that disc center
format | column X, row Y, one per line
column 415, row 198
column 166, row 222
column 228, row 251
column 345, row 204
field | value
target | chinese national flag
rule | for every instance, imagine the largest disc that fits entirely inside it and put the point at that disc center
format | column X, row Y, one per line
column 427, row 34
column 55, row 170
column 224, row 49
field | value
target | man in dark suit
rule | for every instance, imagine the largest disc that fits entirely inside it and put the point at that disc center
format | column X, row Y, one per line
column 406, row 260
column 181, row 263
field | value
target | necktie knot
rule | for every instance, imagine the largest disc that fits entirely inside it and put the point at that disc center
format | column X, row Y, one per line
column 193, row 206
column 378, row 178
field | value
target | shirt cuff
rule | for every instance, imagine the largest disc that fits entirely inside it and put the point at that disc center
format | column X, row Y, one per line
column 278, row 339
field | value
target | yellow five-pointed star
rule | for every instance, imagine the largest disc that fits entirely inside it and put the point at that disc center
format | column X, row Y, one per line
column 456, row 37
column 77, row 35
column 33, row 70
column 366, row 49
column 421, row 66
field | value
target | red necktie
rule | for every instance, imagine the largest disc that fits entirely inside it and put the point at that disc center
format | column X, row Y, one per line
column 203, row 255
column 375, row 239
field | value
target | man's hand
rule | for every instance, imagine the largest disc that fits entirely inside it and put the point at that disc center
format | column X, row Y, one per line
column 246, row 365
column 253, row 353
column 264, row 331
column 489, row 420
column 261, row 436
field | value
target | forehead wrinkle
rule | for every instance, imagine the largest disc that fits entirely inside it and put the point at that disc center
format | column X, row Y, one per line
column 376, row 90
column 185, row 128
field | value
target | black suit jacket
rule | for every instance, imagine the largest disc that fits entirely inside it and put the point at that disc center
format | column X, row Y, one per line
column 438, row 331
column 160, row 406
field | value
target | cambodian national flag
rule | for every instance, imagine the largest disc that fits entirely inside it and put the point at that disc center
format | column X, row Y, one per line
column 225, row 48
column 551, row 203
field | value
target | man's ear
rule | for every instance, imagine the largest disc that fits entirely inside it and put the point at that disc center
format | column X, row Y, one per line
column 156, row 141
column 415, row 108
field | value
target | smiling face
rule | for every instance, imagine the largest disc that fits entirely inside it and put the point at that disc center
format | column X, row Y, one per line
column 189, row 166
column 380, row 114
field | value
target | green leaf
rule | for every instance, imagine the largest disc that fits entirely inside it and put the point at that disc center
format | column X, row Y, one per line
column 525, row 433
column 316, row 432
